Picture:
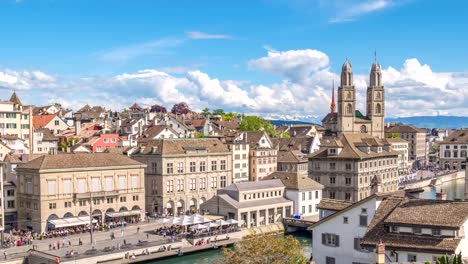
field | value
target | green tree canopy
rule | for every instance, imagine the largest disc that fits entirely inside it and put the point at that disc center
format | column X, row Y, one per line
column 255, row 123
column 206, row 111
column 393, row 135
column 218, row 112
column 265, row 249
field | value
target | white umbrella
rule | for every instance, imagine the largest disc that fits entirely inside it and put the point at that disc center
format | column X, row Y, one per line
column 175, row 220
column 165, row 220
column 222, row 222
column 185, row 222
column 211, row 225
column 232, row 221
column 198, row 226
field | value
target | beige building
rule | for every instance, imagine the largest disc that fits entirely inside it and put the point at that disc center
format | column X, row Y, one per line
column 354, row 166
column 402, row 147
column 418, row 150
column 16, row 119
column 453, row 150
column 348, row 119
column 293, row 161
column 182, row 174
column 240, row 161
column 262, row 154
column 55, row 190
column 251, row 203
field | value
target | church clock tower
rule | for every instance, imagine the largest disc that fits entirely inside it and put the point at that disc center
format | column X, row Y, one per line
column 346, row 100
column 376, row 100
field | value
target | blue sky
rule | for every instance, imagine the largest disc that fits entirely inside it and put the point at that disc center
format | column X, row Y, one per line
column 92, row 49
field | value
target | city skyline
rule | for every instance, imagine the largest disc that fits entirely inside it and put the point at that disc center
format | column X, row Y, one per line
column 278, row 59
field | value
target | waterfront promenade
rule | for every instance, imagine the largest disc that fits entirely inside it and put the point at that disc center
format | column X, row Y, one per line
column 101, row 240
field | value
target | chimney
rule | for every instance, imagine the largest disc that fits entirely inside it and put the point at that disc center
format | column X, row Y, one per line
column 77, row 123
column 466, row 181
column 380, row 253
column 441, row 195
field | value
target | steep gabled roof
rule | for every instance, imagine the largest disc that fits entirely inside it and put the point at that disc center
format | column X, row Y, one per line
column 457, row 137
column 15, row 99
column 40, row 121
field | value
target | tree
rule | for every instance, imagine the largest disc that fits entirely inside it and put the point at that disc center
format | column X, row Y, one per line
column 199, row 135
column 255, row 123
column 393, row 135
column 158, row 109
column 265, row 249
column 284, row 135
column 218, row 112
column 180, row 109
column 230, row 116
column 455, row 259
column 205, row 111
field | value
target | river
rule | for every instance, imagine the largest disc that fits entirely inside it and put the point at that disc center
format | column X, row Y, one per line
column 455, row 190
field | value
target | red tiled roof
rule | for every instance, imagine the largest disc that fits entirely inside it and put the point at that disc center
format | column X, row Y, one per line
column 40, row 121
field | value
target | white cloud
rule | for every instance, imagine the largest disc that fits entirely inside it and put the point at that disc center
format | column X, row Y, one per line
column 411, row 89
column 124, row 53
column 294, row 65
column 204, row 35
column 360, row 9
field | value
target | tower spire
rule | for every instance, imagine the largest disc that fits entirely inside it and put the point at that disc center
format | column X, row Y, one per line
column 333, row 105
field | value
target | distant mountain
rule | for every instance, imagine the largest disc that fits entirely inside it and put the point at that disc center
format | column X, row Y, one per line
column 433, row 121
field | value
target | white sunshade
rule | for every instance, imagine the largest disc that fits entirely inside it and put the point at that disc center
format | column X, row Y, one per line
column 232, row 221
column 126, row 213
column 71, row 221
column 198, row 226
column 212, row 224
column 222, row 223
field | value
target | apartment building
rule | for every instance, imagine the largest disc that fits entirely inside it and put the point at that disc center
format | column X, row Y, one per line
column 183, row 173
column 16, row 119
column 453, row 150
column 354, row 166
column 418, row 149
column 262, row 154
column 56, row 190
column 240, row 161
column 402, row 147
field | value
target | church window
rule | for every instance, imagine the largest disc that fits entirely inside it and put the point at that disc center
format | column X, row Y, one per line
column 349, row 109
column 378, row 96
column 378, row 109
column 363, row 129
column 348, row 95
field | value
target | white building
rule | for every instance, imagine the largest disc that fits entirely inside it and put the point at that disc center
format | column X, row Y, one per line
column 402, row 146
column 453, row 150
column 240, row 161
column 52, row 122
column 17, row 145
column 336, row 238
column 302, row 190
column 44, row 142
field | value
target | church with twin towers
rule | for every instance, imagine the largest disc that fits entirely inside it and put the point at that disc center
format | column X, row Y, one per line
column 350, row 120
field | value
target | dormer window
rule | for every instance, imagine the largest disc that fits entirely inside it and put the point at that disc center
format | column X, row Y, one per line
column 332, row 151
column 436, row 232
column 394, row 229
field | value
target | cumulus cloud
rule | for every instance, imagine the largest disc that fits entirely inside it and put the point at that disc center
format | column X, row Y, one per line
column 304, row 93
column 294, row 65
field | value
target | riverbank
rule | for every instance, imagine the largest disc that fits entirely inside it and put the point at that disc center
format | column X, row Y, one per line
column 436, row 180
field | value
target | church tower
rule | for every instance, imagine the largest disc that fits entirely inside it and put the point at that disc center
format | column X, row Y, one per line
column 376, row 100
column 346, row 100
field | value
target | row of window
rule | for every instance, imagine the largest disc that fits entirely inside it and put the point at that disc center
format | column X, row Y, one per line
column 192, row 183
column 310, row 195
column 456, row 147
column 266, row 161
column 269, row 194
column 238, row 147
column 303, row 211
column 8, row 125
column 238, row 156
column 447, row 154
column 192, row 166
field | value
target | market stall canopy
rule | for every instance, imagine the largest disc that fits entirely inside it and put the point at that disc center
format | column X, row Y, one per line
column 232, row 221
column 198, row 226
column 222, row 223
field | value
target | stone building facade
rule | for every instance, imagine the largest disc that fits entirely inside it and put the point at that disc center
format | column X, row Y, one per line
column 348, row 119
column 251, row 203
column 61, row 187
column 354, row 166
column 240, row 160
column 182, row 174
column 453, row 150
column 418, row 147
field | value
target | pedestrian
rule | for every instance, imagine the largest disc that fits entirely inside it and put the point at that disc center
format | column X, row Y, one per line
column 58, row 245
column 80, row 243
column 147, row 236
column 5, row 254
column 69, row 242
column 50, row 246
column 138, row 230
column 125, row 242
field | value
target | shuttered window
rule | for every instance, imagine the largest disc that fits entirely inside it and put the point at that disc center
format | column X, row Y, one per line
column 52, row 187
column 29, row 186
column 109, row 183
column 331, row 240
column 81, row 185
column 135, row 182
column 67, row 186
column 95, row 185
column 122, row 183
